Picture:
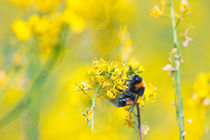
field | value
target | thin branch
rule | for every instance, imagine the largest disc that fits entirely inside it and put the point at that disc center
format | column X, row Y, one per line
column 139, row 121
column 83, row 91
column 179, row 107
column 93, row 108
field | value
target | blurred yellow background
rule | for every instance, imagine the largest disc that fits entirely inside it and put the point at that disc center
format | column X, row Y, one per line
column 61, row 104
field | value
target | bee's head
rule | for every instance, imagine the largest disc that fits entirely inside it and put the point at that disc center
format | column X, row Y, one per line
column 136, row 79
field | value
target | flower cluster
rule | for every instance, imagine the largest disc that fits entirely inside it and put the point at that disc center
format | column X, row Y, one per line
column 158, row 12
column 43, row 25
column 201, row 97
column 109, row 77
column 48, row 17
column 175, row 55
column 184, row 7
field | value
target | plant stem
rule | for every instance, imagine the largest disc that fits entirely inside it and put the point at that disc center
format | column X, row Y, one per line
column 139, row 121
column 37, row 84
column 179, row 107
column 93, row 108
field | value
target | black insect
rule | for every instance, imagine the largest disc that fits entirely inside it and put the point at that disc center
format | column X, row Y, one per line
column 130, row 96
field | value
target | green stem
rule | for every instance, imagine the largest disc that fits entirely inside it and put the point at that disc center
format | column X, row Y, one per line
column 16, row 69
column 179, row 107
column 93, row 108
column 36, row 86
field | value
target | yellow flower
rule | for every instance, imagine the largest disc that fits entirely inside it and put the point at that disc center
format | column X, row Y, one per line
column 129, row 120
column 21, row 29
column 156, row 12
column 202, row 85
column 46, row 5
column 22, row 3
column 3, row 78
column 83, row 86
column 76, row 23
column 201, row 97
column 149, row 95
column 33, row 20
column 111, row 77
column 145, row 129
column 184, row 5
column 42, row 25
column 110, row 94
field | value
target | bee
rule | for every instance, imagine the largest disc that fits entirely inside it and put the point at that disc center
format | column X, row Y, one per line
column 130, row 96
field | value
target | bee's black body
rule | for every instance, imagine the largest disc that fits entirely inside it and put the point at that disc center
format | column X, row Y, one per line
column 135, row 89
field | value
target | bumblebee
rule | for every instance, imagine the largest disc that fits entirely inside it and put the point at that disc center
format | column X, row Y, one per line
column 130, row 96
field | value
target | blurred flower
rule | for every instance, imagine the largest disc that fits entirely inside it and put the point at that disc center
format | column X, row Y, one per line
column 186, row 41
column 21, row 3
column 17, row 59
column 150, row 94
column 184, row 5
column 76, row 23
column 21, row 29
column 46, row 5
column 184, row 133
column 185, row 36
column 145, row 129
column 169, row 68
column 3, row 78
column 129, row 120
column 156, row 12
column 201, row 97
column 189, row 120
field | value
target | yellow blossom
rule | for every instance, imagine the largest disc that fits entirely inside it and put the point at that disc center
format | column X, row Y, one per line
column 145, row 129
column 21, row 29
column 76, row 23
column 21, row 3
column 3, row 78
column 111, row 77
column 129, row 120
column 156, row 12
column 46, row 5
column 184, row 5
column 202, row 91
column 34, row 20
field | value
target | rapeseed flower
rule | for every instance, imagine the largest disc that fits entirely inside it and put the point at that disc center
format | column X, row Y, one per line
column 201, row 97
column 110, row 76
column 184, row 5
column 107, row 79
column 3, row 78
column 156, row 12
column 21, row 29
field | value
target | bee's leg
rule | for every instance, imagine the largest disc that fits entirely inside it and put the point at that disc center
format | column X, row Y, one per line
column 133, row 105
column 128, row 93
